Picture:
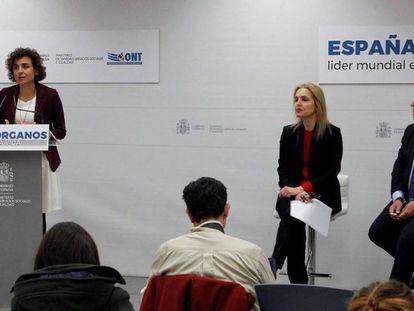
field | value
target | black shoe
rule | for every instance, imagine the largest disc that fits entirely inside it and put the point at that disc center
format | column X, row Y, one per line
column 272, row 262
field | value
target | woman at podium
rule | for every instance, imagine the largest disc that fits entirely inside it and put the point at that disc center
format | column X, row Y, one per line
column 309, row 161
column 29, row 101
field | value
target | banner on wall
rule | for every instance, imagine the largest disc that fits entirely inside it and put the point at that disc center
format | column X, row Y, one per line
column 352, row 55
column 90, row 56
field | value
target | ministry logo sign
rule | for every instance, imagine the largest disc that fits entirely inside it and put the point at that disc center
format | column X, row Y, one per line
column 6, row 172
column 383, row 130
column 124, row 58
column 183, row 127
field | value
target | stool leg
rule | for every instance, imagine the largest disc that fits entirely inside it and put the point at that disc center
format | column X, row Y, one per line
column 311, row 261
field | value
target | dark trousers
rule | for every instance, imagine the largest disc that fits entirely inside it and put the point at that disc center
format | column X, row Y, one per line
column 397, row 239
column 290, row 244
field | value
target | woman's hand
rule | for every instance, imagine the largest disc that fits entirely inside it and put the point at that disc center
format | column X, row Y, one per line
column 288, row 192
column 303, row 197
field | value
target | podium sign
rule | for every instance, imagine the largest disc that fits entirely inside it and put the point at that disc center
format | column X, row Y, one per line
column 20, row 201
column 14, row 137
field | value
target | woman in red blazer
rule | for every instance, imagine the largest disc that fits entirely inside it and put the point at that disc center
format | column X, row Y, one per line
column 309, row 162
column 28, row 101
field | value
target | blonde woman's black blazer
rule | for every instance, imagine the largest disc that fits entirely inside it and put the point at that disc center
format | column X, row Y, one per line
column 324, row 163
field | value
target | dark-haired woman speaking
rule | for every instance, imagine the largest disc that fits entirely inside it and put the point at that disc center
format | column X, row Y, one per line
column 29, row 102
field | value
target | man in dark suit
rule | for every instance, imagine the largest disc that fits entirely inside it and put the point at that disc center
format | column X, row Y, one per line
column 393, row 229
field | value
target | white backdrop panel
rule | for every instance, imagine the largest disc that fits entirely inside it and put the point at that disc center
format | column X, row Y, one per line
column 90, row 56
column 366, row 54
column 232, row 63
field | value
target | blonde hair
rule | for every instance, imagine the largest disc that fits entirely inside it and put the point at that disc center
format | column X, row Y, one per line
column 387, row 296
column 322, row 122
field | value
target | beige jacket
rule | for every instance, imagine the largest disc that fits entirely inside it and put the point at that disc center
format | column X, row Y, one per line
column 211, row 253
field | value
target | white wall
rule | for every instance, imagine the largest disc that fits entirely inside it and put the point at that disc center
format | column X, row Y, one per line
column 233, row 63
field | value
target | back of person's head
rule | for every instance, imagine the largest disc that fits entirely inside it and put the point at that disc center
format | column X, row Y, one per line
column 205, row 198
column 66, row 243
column 387, row 296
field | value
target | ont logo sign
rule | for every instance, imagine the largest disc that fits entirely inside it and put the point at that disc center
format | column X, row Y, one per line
column 124, row 58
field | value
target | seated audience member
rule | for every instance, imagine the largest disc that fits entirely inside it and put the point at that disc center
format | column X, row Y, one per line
column 68, row 276
column 387, row 296
column 207, row 250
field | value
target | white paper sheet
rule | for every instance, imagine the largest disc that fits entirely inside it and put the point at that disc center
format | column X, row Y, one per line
column 315, row 214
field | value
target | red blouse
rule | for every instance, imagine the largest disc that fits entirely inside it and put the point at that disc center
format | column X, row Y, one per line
column 307, row 139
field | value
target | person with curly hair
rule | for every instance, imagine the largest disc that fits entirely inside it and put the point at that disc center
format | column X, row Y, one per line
column 28, row 102
column 387, row 296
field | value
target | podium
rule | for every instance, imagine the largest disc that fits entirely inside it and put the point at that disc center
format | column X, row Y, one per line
column 20, row 201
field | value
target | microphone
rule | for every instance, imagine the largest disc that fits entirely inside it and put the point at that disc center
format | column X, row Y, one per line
column 36, row 113
column 2, row 101
column 1, row 104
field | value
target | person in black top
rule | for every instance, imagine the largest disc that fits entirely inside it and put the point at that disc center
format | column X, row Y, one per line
column 310, row 157
column 68, row 276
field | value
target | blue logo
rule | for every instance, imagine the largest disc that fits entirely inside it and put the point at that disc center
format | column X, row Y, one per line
column 390, row 46
column 23, row 135
column 125, row 58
